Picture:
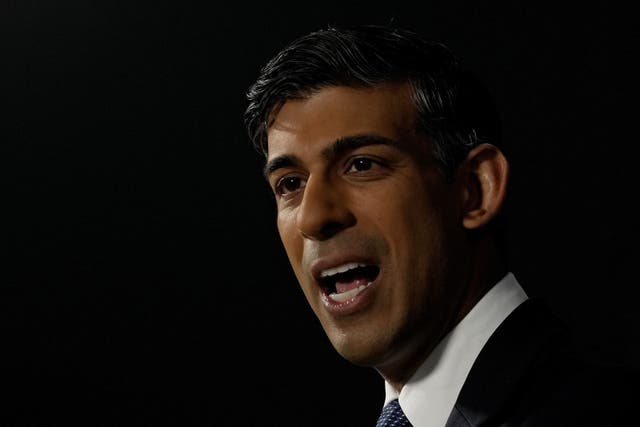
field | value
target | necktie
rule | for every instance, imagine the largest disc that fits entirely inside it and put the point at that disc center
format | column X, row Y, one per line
column 392, row 416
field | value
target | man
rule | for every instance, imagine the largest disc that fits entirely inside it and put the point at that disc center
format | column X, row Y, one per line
column 385, row 159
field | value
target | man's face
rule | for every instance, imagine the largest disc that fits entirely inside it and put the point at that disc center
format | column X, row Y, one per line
column 367, row 221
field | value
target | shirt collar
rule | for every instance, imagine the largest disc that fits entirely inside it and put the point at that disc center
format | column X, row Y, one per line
column 428, row 397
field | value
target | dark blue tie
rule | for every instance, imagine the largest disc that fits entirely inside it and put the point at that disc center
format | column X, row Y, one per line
column 392, row 416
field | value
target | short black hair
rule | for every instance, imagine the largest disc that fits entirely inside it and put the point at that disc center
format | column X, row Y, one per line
column 454, row 109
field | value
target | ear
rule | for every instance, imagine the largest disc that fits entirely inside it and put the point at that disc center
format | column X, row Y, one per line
column 484, row 176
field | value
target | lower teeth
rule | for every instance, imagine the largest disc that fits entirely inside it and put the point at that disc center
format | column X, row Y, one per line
column 345, row 296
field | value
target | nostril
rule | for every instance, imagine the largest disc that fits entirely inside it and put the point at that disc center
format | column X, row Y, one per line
column 324, row 232
column 331, row 229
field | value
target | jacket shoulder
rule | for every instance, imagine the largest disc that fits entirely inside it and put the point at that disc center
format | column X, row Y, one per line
column 530, row 374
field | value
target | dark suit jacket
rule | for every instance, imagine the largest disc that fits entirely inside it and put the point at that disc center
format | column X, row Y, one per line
column 529, row 374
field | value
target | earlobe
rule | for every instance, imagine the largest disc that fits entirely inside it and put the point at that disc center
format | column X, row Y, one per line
column 485, row 176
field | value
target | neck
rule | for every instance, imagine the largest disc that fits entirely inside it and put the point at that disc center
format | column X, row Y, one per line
column 486, row 269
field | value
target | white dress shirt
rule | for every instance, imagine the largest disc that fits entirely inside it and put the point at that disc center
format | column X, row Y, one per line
column 428, row 397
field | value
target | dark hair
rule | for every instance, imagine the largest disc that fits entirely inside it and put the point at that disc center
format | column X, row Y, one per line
column 454, row 109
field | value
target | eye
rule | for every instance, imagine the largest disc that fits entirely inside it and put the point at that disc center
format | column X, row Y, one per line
column 288, row 185
column 361, row 164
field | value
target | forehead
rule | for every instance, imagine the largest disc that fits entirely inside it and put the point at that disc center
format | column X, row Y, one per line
column 336, row 112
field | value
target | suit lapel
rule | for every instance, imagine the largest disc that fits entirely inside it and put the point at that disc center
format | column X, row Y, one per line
column 524, row 339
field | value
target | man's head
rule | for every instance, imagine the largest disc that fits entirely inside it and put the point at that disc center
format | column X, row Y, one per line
column 377, row 152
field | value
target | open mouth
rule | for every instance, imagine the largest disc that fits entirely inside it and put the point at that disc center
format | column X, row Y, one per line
column 345, row 281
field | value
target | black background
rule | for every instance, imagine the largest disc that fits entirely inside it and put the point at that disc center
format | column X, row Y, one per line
column 143, row 282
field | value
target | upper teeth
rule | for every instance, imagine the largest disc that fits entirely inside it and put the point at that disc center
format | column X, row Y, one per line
column 340, row 269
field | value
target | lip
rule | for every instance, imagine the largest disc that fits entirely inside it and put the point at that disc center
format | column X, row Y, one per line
column 355, row 303
column 352, row 305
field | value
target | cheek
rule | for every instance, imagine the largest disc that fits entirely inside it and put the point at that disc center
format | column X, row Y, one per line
column 404, row 218
column 413, row 228
column 286, row 226
column 290, row 237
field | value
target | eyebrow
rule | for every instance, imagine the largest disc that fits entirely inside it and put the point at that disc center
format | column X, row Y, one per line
column 338, row 148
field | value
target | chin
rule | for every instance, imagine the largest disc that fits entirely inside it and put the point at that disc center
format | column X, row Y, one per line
column 359, row 350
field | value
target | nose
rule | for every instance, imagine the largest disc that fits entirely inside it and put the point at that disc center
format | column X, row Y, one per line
column 324, row 210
